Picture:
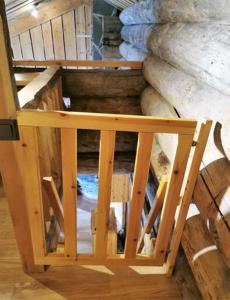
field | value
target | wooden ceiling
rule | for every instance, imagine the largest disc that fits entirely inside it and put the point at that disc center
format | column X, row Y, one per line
column 59, row 30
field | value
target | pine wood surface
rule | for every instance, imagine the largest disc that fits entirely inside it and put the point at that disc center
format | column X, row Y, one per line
column 74, row 282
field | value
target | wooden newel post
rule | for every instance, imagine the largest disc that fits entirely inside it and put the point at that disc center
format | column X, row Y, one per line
column 10, row 167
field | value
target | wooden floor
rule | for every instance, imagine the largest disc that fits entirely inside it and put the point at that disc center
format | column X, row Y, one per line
column 76, row 282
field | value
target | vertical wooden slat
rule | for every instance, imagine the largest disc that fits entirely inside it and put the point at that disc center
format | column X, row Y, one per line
column 32, row 181
column 186, row 198
column 15, row 44
column 69, row 173
column 140, row 179
column 59, row 50
column 11, row 167
column 80, row 32
column 55, row 202
column 26, row 45
column 69, row 35
column 37, row 42
column 155, row 209
column 89, row 30
column 48, row 40
column 172, row 195
column 107, row 145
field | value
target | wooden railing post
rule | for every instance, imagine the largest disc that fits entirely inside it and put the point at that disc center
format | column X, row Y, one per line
column 141, row 173
column 107, row 145
column 10, row 162
column 186, row 199
column 69, row 174
column 32, row 181
column 172, row 195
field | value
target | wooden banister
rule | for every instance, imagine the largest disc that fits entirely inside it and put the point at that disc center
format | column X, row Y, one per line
column 172, row 195
column 80, row 63
column 167, row 196
column 141, row 171
column 69, row 174
column 155, row 210
column 107, row 145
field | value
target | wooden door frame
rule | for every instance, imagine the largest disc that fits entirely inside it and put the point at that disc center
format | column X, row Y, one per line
column 10, row 167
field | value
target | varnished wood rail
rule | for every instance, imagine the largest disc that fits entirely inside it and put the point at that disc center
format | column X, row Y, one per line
column 168, row 194
column 81, row 63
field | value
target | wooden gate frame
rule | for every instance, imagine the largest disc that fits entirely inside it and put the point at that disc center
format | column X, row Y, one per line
column 21, row 196
column 165, row 248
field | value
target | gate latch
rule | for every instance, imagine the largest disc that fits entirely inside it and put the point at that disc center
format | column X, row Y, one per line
column 9, row 130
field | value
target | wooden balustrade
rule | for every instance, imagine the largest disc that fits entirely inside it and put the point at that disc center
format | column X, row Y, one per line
column 169, row 193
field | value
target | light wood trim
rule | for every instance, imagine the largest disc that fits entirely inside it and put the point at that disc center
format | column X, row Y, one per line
column 23, row 79
column 69, row 173
column 140, row 178
column 172, row 195
column 107, row 145
column 81, row 63
column 58, row 259
column 32, row 181
column 40, row 82
column 11, row 167
column 96, row 121
column 186, row 198
column 55, row 201
column 155, row 209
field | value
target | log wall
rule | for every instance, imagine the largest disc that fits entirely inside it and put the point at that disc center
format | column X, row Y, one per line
column 188, row 73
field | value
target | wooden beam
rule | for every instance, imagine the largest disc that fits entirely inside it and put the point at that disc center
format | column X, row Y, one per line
column 95, row 121
column 186, row 198
column 55, row 202
column 58, row 259
column 32, row 182
column 10, row 161
column 69, row 173
column 107, row 145
column 23, row 79
column 38, row 85
column 80, row 63
column 172, row 195
column 206, row 261
column 155, row 210
column 140, row 178
column 46, row 12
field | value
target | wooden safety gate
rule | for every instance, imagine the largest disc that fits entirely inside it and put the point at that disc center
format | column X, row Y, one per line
column 176, row 192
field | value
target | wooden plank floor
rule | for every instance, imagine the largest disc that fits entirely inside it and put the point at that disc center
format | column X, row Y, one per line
column 74, row 282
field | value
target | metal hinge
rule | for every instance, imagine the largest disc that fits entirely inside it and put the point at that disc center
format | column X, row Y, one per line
column 9, row 130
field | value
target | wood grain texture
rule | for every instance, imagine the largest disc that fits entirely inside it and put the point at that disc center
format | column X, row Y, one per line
column 16, row 47
column 58, row 42
column 69, row 174
column 155, row 210
column 188, row 192
column 32, row 181
column 48, row 40
column 69, row 35
column 37, row 42
column 211, row 273
column 55, row 202
column 26, row 45
column 103, row 83
column 10, row 162
column 107, row 144
column 62, row 119
column 59, row 283
column 140, row 178
column 172, row 195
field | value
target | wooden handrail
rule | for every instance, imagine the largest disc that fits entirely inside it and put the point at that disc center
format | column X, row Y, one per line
column 80, row 63
column 38, row 85
column 95, row 121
